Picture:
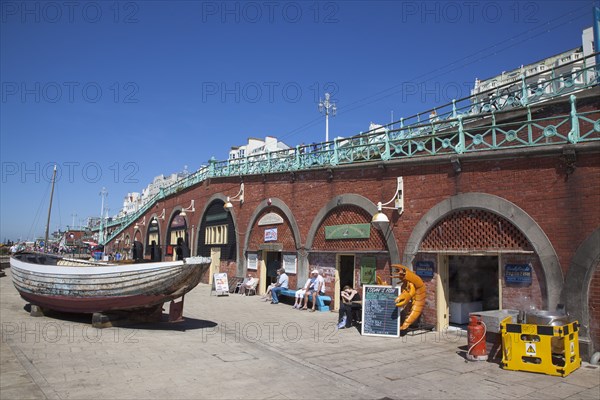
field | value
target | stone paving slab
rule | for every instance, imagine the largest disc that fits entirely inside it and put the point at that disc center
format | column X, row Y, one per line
column 232, row 347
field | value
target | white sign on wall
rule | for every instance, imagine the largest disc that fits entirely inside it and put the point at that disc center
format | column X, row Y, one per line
column 252, row 261
column 271, row 235
column 290, row 263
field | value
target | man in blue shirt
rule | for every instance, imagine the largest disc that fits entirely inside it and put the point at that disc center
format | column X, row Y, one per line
column 282, row 283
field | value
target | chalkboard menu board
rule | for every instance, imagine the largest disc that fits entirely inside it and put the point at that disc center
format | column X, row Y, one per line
column 380, row 316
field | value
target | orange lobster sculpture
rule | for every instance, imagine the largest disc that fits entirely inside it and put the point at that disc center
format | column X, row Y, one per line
column 412, row 291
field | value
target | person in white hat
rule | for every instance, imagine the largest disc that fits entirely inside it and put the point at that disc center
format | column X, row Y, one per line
column 302, row 291
column 318, row 288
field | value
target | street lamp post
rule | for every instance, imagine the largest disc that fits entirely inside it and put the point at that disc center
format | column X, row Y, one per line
column 325, row 106
column 103, row 194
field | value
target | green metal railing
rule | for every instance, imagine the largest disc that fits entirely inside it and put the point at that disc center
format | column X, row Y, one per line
column 459, row 131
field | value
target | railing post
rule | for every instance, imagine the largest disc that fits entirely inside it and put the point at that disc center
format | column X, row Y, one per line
column 268, row 161
column 386, row 154
column 334, row 158
column 460, row 147
column 574, row 133
column 453, row 108
column 211, row 167
column 524, row 91
column 297, row 157
column 494, row 141
column 529, row 129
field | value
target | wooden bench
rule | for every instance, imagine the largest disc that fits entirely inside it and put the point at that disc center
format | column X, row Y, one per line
column 320, row 299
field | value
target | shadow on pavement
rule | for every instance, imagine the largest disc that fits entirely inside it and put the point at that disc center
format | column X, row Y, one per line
column 164, row 324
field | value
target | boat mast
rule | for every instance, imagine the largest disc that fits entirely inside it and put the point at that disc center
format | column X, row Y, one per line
column 50, row 209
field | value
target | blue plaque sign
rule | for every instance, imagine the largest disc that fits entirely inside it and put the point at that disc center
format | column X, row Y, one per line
column 424, row 269
column 518, row 274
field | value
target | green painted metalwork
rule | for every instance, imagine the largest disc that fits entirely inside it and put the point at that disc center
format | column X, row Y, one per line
column 459, row 130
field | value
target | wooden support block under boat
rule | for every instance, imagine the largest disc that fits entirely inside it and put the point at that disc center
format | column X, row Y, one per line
column 101, row 320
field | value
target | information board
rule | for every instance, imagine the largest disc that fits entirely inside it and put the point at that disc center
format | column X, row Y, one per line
column 424, row 269
column 221, row 284
column 380, row 316
column 518, row 274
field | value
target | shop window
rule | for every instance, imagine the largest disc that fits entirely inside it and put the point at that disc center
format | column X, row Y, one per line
column 216, row 234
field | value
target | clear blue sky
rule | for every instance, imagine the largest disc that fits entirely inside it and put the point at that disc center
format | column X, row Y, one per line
column 119, row 92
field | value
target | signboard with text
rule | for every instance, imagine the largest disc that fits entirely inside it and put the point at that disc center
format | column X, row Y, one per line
column 221, row 284
column 380, row 316
column 270, row 235
column 518, row 274
column 424, row 269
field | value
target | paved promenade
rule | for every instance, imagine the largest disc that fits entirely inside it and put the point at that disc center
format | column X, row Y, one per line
column 240, row 347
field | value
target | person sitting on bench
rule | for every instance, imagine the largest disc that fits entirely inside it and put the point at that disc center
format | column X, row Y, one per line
column 301, row 292
column 317, row 289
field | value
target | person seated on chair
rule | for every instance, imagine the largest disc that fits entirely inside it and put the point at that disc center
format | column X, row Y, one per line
column 247, row 285
column 282, row 283
column 301, row 292
column 348, row 295
column 317, row 289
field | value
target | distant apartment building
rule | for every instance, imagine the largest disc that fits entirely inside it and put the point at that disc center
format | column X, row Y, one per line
column 131, row 203
column 257, row 146
column 134, row 201
column 547, row 76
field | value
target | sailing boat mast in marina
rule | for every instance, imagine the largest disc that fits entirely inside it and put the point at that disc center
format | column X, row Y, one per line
column 49, row 210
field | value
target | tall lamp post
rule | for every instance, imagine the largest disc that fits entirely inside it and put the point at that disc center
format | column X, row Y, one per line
column 103, row 193
column 325, row 106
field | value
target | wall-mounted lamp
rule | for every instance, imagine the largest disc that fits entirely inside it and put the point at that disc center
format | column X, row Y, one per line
column 191, row 209
column 456, row 164
column 161, row 216
column 380, row 220
column 137, row 225
column 238, row 197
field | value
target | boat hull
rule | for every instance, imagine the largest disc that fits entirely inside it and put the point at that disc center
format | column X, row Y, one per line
column 101, row 288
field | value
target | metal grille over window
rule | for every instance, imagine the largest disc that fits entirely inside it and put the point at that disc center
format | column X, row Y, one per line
column 475, row 230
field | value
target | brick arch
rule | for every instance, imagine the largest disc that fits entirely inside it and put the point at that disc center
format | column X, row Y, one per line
column 141, row 235
column 583, row 273
column 504, row 208
column 258, row 211
column 147, row 234
column 220, row 198
column 362, row 203
column 168, row 229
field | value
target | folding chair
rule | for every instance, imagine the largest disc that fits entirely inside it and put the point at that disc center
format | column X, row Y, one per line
column 253, row 288
column 239, row 285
